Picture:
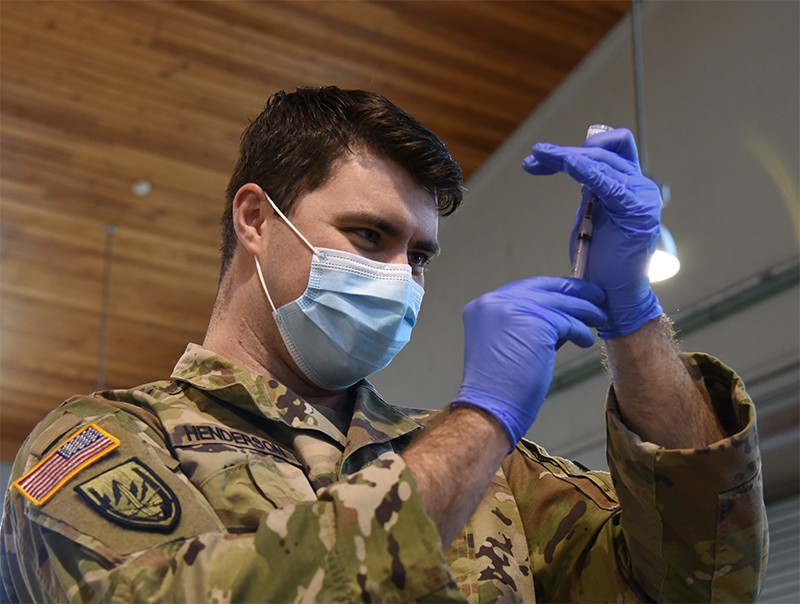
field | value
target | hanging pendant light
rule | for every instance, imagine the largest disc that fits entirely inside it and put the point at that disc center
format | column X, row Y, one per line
column 664, row 263
column 102, row 348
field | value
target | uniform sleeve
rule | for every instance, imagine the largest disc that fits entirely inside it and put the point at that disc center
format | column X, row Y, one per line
column 665, row 525
column 694, row 519
column 367, row 538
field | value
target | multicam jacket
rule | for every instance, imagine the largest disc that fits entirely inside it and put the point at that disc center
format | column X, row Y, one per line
column 223, row 486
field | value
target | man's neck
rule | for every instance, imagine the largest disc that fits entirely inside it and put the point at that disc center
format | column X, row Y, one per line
column 250, row 339
column 246, row 351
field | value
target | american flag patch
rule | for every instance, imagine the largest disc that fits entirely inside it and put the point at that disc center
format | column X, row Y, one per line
column 82, row 449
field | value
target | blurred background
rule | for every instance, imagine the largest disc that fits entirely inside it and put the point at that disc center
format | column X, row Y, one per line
column 119, row 126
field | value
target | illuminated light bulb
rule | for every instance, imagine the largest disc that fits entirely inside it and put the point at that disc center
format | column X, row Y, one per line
column 664, row 262
column 141, row 187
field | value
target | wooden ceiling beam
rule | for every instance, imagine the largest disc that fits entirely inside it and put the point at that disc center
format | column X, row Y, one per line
column 95, row 95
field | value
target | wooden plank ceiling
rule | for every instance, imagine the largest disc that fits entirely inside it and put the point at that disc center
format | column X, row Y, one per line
column 96, row 95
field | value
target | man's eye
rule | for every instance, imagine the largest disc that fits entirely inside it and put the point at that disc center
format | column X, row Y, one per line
column 418, row 260
column 367, row 235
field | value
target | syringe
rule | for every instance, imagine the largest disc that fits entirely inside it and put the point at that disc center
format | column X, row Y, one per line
column 585, row 228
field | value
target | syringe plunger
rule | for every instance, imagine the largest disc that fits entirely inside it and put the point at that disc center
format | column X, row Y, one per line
column 585, row 227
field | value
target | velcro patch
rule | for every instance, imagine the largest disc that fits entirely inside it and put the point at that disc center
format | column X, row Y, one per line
column 132, row 494
column 82, row 449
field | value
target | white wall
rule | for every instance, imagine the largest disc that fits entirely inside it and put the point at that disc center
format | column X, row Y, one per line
column 722, row 103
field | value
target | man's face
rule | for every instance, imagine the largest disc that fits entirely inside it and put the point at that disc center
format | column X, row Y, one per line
column 368, row 207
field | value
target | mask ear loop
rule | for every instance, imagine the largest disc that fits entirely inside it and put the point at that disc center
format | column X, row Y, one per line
column 288, row 222
column 298, row 233
column 263, row 284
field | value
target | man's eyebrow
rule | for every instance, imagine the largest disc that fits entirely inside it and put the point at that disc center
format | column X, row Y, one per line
column 428, row 245
column 388, row 227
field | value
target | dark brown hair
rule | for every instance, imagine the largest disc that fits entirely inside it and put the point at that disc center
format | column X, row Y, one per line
column 293, row 144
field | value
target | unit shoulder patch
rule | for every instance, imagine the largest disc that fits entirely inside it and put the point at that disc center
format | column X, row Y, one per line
column 132, row 495
column 81, row 450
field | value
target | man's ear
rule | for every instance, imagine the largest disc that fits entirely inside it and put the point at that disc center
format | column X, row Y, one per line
column 249, row 217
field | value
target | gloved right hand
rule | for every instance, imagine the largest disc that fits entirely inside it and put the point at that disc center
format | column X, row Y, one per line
column 626, row 222
column 511, row 336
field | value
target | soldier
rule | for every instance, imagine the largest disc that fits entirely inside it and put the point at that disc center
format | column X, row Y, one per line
column 267, row 469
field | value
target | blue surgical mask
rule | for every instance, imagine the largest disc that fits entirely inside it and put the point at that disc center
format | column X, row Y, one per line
column 353, row 318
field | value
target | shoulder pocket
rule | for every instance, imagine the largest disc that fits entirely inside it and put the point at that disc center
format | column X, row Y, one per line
column 738, row 528
column 108, row 517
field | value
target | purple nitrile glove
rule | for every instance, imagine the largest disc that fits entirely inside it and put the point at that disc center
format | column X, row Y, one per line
column 626, row 222
column 510, row 340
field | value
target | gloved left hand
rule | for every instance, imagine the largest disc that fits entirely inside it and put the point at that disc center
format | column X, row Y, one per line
column 511, row 336
column 626, row 222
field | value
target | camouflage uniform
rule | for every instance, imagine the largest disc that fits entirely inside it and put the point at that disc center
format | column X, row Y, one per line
column 223, row 486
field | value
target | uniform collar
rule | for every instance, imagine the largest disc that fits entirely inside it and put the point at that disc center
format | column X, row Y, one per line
column 374, row 420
